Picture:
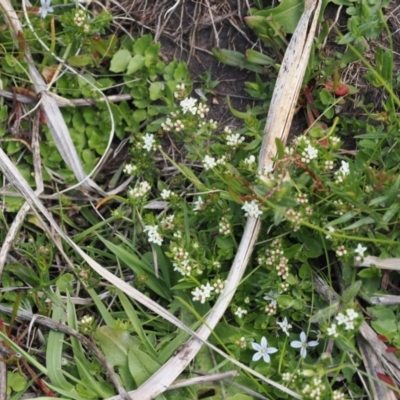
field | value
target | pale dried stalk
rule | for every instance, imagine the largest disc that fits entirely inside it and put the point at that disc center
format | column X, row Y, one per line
column 20, row 217
column 383, row 263
column 373, row 365
column 386, row 300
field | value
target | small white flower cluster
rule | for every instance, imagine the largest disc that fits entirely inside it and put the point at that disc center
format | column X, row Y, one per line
column 252, row 209
column 202, row 293
column 294, row 217
column 219, row 285
column 149, row 142
column 341, row 251
column 250, row 160
column 180, row 91
column 241, row 343
column 182, row 262
column 167, row 194
column 347, row 319
column 315, row 389
column 234, row 140
column 202, row 110
column 168, row 125
column 337, row 395
column 153, row 235
column 309, row 154
column 189, row 105
column 224, row 226
column 266, row 175
column 240, row 312
column 167, row 223
column 328, row 165
column 140, row 190
column 360, row 250
column 130, row 169
column 198, row 205
column 342, row 172
column 340, row 207
column 86, row 323
column 288, row 377
column 216, row 265
column 302, row 198
column 79, row 18
column 209, row 162
column 334, row 141
column 271, row 308
column 87, row 320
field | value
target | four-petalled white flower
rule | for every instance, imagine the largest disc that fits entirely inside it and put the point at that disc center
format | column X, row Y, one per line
column 263, row 351
column 45, row 8
column 285, row 326
column 303, row 344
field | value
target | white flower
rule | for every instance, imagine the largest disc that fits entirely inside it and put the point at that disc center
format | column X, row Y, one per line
column 251, row 209
column 331, row 331
column 189, row 104
column 202, row 293
column 331, row 229
column 140, row 190
column 129, row 169
column 351, row 314
column 344, row 169
column 303, row 344
column 234, row 139
column 240, row 312
column 285, row 326
column 45, row 8
column 341, row 251
column 360, row 250
column 209, row 162
column 149, row 141
column 312, row 152
column 198, row 205
column 263, row 351
column 165, row 194
column 249, row 160
column 153, row 235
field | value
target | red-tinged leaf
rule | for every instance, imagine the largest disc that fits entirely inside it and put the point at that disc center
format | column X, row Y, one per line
column 42, row 117
column 391, row 350
column 385, row 378
column 323, row 142
column 342, row 90
column 383, row 338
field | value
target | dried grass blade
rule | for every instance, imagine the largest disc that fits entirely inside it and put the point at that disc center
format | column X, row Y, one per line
column 288, row 83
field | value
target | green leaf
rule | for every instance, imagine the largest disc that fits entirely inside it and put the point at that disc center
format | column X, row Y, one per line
column 255, row 57
column 285, row 301
column 311, row 248
column 135, row 64
column 16, row 381
column 81, row 60
column 360, row 222
column 115, row 344
column 287, row 14
column 64, row 282
column 136, row 323
column 141, row 365
column 142, row 44
column 235, row 59
column 120, row 61
column 156, row 90
column 351, row 292
column 139, row 267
